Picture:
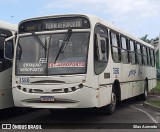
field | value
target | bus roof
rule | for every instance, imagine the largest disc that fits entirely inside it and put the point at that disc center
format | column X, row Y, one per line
column 93, row 19
column 8, row 26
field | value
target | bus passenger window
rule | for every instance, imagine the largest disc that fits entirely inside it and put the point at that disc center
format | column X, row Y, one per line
column 144, row 55
column 139, row 54
column 2, row 47
column 115, row 47
column 148, row 57
column 152, row 58
column 101, row 49
column 124, row 50
column 132, row 52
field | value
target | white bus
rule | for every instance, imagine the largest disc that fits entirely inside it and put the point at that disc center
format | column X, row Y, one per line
column 6, row 99
column 79, row 61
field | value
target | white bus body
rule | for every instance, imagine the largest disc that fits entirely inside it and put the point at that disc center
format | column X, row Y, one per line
column 94, row 68
column 6, row 99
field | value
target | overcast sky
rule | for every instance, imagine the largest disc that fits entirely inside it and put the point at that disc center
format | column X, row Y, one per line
column 138, row 17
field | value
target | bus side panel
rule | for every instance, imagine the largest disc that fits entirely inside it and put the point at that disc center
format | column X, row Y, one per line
column 105, row 90
column 126, row 90
column 126, row 86
column 151, row 75
column 154, row 80
column 6, row 99
column 105, row 95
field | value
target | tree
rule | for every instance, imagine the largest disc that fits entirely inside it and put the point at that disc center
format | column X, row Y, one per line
column 145, row 39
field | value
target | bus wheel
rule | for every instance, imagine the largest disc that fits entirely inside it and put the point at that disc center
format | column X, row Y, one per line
column 145, row 94
column 112, row 106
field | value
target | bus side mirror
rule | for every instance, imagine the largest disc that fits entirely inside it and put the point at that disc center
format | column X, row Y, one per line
column 8, row 50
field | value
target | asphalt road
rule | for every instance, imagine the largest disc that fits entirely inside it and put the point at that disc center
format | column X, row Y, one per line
column 129, row 111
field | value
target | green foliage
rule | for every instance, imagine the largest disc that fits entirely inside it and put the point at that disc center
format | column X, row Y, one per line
column 145, row 39
column 156, row 103
column 157, row 88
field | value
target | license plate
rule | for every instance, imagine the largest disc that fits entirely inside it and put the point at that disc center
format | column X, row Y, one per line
column 47, row 98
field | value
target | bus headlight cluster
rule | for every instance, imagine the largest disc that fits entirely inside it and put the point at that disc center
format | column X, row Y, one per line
column 63, row 90
column 19, row 87
column 80, row 85
column 72, row 89
column 23, row 89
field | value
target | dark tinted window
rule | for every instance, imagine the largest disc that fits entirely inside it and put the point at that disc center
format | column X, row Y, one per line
column 4, row 64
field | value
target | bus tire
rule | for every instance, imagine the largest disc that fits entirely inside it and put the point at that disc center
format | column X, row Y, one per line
column 112, row 106
column 145, row 94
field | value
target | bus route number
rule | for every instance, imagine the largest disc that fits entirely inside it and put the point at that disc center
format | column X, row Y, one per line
column 23, row 80
column 115, row 70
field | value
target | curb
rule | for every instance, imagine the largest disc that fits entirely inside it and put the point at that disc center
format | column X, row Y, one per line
column 145, row 104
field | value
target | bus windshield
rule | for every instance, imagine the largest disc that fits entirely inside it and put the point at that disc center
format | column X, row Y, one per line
column 33, row 59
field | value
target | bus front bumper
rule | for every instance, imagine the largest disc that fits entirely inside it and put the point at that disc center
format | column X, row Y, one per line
column 81, row 98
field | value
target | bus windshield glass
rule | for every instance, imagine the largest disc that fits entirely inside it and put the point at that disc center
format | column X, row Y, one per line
column 33, row 59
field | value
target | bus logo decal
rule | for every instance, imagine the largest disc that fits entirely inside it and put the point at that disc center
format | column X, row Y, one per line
column 43, row 60
column 115, row 70
column 132, row 73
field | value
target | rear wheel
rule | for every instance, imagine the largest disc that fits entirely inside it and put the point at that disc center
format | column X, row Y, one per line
column 145, row 94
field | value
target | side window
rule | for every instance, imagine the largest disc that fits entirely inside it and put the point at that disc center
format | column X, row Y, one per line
column 4, row 64
column 152, row 58
column 132, row 52
column 124, row 50
column 148, row 57
column 9, row 48
column 145, row 62
column 115, row 47
column 2, row 47
column 101, row 49
column 139, row 54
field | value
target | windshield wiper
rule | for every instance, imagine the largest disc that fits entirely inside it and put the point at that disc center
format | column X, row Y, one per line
column 64, row 43
column 39, row 41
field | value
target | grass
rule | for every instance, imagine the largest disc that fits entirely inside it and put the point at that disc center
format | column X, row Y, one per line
column 156, row 103
column 156, row 90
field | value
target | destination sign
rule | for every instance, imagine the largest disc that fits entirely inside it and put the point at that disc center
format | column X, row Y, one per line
column 54, row 24
column 64, row 24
